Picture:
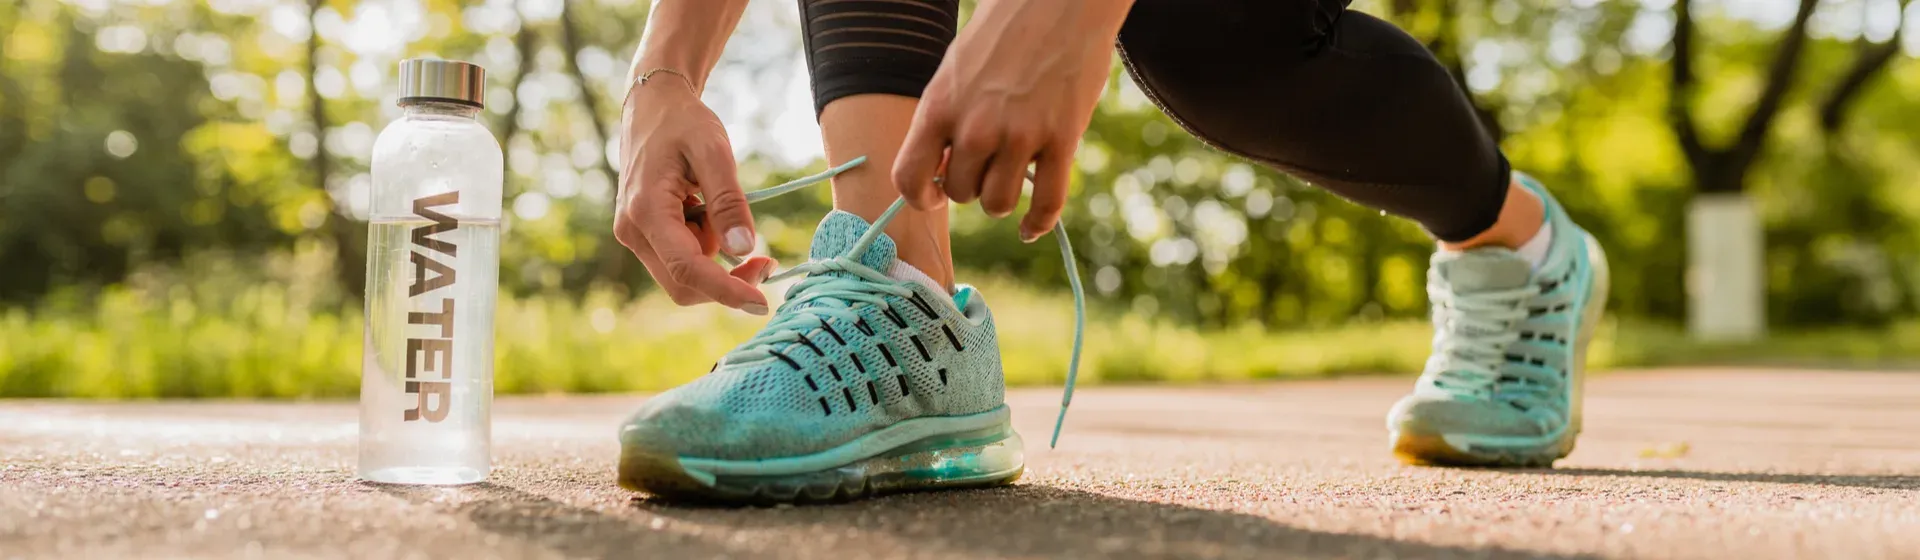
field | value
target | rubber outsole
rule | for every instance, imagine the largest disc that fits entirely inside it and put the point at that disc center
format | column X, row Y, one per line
column 1434, row 450
column 980, row 459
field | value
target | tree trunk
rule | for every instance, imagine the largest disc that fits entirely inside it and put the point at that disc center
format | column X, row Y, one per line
column 349, row 237
column 612, row 259
column 1726, row 274
column 524, row 43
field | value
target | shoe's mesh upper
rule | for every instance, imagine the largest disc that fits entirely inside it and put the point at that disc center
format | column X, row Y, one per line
column 767, row 408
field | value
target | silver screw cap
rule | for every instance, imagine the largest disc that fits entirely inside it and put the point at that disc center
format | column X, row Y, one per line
column 442, row 80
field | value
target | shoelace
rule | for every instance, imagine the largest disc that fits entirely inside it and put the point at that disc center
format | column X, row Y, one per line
column 1478, row 328
column 833, row 296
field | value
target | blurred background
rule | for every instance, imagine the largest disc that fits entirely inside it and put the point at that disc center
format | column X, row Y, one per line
column 183, row 184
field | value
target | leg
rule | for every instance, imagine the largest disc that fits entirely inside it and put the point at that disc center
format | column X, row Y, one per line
column 1354, row 105
column 1337, row 98
column 869, row 64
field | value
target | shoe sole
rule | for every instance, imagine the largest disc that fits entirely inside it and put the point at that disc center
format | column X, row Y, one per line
column 941, row 453
column 1471, row 450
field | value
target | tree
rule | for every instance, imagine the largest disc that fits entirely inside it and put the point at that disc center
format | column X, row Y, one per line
column 1723, row 169
column 1724, row 234
column 1725, row 262
column 1872, row 61
column 349, row 238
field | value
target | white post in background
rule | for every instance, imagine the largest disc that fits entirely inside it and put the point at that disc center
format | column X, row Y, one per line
column 1726, row 276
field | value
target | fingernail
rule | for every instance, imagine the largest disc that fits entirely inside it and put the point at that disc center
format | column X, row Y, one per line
column 755, row 308
column 1028, row 237
column 739, row 241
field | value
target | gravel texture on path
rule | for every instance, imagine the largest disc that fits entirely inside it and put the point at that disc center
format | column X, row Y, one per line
column 1675, row 464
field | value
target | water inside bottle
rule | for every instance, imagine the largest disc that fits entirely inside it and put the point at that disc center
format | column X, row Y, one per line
column 427, row 382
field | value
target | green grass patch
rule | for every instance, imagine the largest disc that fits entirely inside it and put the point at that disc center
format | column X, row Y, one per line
column 273, row 340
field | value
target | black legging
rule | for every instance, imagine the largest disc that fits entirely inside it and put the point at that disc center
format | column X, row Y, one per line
column 1335, row 97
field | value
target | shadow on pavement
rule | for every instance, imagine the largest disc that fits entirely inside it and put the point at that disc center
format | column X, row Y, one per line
column 572, row 531
column 1890, row 482
column 1022, row 520
column 1039, row 521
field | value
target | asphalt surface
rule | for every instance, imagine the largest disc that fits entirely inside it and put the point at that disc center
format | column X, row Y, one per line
column 1675, row 464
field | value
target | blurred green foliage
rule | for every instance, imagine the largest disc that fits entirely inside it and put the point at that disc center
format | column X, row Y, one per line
column 275, row 331
column 180, row 184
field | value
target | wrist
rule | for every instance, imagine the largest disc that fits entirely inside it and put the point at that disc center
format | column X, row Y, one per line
column 1109, row 15
column 1084, row 21
column 659, row 88
column 648, row 76
column 687, row 36
column 694, row 70
column 1103, row 20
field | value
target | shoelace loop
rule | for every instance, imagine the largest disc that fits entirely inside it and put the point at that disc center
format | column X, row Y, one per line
column 822, row 296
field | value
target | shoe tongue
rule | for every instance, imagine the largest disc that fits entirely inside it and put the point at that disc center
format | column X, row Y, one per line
column 1482, row 270
column 837, row 234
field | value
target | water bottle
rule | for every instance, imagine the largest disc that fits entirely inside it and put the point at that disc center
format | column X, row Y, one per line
column 433, row 260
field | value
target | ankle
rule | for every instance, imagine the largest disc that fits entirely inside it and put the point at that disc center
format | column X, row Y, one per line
column 924, row 244
column 920, row 239
column 874, row 125
column 1521, row 218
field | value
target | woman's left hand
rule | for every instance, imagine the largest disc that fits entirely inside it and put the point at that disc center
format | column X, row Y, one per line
column 1017, row 87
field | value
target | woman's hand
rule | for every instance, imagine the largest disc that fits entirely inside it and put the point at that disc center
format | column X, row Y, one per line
column 674, row 147
column 1017, row 87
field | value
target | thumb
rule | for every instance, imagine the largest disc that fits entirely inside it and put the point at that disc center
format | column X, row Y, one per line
column 919, row 160
column 727, row 213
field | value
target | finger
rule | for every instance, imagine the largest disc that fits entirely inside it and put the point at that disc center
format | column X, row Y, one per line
column 1006, row 174
column 727, row 213
column 663, row 225
column 632, row 221
column 919, row 160
column 699, row 225
column 1053, row 174
column 754, row 270
column 967, row 164
column 627, row 231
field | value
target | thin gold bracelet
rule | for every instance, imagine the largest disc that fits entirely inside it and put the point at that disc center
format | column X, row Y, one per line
column 644, row 76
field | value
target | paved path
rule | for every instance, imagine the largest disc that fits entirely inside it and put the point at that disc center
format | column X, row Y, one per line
column 1676, row 464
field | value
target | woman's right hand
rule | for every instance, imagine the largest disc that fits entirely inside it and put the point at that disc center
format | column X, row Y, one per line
column 675, row 148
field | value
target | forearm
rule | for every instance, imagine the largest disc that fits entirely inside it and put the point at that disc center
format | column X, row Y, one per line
column 1093, row 19
column 686, row 36
column 1106, row 16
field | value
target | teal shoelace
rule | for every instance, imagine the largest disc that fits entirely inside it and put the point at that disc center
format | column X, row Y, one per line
column 1471, row 352
column 833, row 296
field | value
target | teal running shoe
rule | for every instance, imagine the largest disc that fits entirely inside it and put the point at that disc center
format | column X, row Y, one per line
column 1503, row 386
column 868, row 379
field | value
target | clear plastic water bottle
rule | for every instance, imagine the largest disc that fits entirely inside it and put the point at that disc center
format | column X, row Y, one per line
column 433, row 260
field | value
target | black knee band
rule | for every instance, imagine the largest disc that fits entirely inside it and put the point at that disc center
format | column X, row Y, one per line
column 875, row 46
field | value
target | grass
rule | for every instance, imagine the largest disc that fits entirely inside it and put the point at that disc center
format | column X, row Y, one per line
column 275, row 340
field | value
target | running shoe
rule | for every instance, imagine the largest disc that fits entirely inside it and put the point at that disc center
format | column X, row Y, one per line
column 1503, row 386
column 870, row 378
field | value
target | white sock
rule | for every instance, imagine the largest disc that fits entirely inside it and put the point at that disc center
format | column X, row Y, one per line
column 907, row 273
column 1535, row 250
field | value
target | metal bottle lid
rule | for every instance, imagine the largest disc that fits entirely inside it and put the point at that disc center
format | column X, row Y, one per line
column 443, row 80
